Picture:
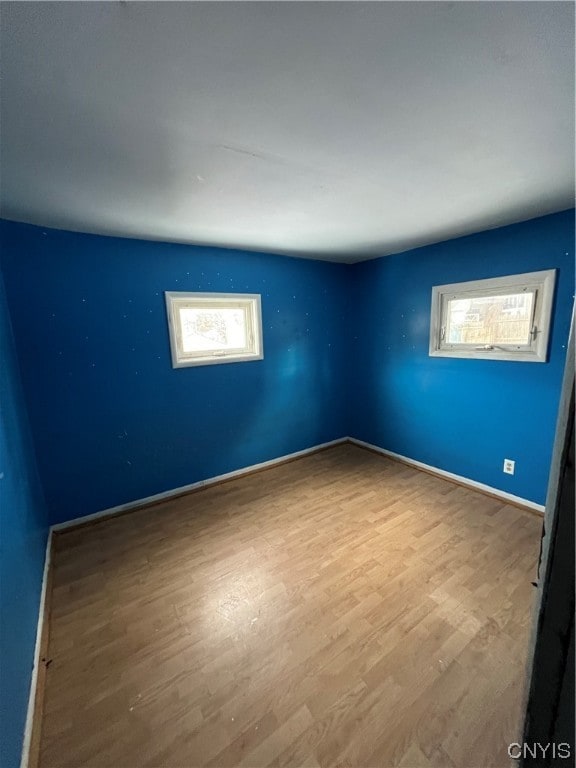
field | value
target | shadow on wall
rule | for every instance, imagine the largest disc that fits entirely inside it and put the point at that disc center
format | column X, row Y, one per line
column 23, row 535
column 292, row 378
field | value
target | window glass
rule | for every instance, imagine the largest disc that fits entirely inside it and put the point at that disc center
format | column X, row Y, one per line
column 504, row 319
column 212, row 329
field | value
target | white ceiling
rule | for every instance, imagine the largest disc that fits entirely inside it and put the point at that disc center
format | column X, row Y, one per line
column 332, row 130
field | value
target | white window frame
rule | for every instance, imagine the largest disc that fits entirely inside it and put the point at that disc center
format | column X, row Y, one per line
column 250, row 303
column 541, row 284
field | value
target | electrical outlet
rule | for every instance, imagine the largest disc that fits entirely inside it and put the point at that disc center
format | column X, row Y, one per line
column 508, row 466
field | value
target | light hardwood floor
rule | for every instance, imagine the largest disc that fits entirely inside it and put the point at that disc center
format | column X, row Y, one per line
column 339, row 610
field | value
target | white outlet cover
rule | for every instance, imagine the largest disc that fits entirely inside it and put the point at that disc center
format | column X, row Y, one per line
column 508, row 467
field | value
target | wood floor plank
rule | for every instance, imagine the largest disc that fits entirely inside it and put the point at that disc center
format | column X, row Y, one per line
column 339, row 610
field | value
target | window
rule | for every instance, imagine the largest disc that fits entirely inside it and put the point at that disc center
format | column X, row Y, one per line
column 504, row 318
column 207, row 328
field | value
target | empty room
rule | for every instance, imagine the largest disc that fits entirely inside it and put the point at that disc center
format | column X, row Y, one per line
column 287, row 384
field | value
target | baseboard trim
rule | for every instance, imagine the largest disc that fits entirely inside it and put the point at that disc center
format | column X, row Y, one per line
column 185, row 489
column 510, row 498
column 38, row 671
column 217, row 479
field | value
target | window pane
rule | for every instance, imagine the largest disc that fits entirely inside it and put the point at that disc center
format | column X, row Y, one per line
column 210, row 330
column 490, row 319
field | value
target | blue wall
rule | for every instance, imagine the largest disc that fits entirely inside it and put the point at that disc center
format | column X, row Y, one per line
column 463, row 416
column 23, row 534
column 112, row 420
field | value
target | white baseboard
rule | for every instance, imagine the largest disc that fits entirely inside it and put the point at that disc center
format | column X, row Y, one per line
column 165, row 495
column 37, row 649
column 451, row 476
column 193, row 486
